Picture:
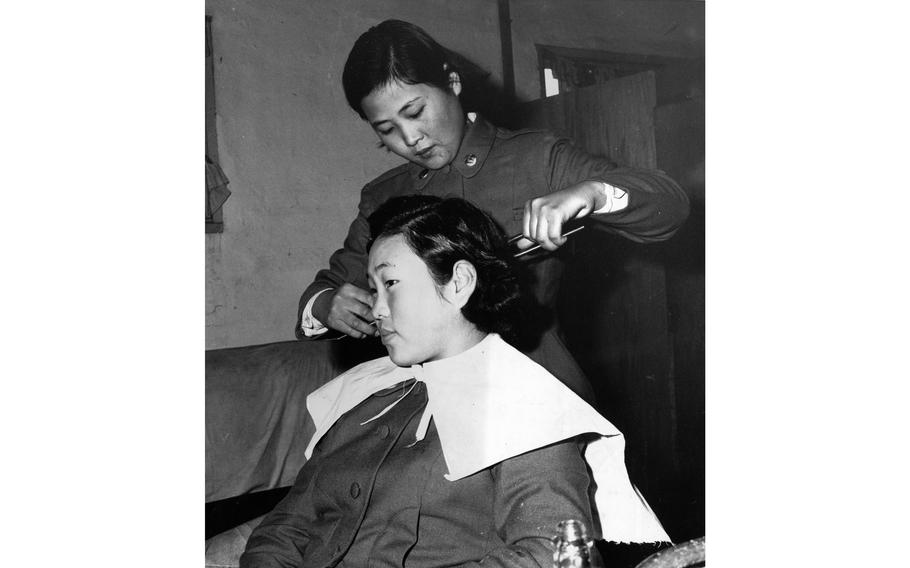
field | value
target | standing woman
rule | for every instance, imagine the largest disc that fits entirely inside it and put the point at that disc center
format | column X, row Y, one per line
column 456, row 449
column 406, row 87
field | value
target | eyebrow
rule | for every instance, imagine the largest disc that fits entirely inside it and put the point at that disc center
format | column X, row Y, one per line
column 382, row 265
column 403, row 107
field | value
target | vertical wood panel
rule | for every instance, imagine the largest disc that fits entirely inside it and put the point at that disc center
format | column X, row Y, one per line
column 680, row 129
column 628, row 348
column 614, row 306
column 616, row 119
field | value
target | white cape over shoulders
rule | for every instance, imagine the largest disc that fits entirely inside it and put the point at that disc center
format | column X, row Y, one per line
column 492, row 403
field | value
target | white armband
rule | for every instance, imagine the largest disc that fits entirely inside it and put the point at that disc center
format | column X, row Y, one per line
column 309, row 325
column 617, row 199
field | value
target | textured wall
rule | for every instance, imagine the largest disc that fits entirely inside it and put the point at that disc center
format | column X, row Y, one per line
column 297, row 156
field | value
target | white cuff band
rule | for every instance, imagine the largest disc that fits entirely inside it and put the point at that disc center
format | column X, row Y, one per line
column 309, row 325
column 617, row 199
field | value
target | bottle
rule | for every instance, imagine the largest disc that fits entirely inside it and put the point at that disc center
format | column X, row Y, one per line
column 572, row 546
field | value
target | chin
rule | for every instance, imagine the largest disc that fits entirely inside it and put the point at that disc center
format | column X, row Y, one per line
column 437, row 162
column 403, row 361
column 399, row 358
column 404, row 358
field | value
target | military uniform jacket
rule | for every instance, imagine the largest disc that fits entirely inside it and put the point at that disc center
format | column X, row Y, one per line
column 499, row 170
column 373, row 497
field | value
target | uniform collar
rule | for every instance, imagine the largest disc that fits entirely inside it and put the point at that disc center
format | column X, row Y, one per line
column 475, row 147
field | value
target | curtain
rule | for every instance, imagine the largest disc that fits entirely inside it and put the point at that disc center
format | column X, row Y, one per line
column 216, row 191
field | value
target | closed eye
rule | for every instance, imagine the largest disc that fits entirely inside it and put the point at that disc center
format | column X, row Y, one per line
column 417, row 113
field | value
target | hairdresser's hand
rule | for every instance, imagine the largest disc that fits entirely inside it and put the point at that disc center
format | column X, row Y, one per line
column 545, row 216
column 346, row 309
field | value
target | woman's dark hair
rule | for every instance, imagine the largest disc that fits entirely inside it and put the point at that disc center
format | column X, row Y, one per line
column 393, row 51
column 444, row 231
column 400, row 51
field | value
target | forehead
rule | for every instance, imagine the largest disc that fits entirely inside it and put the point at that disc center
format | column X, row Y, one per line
column 391, row 98
column 388, row 252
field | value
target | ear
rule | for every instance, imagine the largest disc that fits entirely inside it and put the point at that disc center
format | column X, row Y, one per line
column 454, row 82
column 462, row 284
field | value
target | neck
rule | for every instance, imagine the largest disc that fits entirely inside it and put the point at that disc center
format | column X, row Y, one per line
column 460, row 340
column 464, row 134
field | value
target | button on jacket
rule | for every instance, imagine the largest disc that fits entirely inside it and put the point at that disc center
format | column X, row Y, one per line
column 499, row 170
column 371, row 496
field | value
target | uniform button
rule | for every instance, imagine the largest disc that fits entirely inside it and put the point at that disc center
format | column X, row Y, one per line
column 355, row 490
column 423, row 174
column 383, row 432
column 471, row 160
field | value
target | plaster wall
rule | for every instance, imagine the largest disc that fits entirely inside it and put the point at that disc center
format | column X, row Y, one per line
column 297, row 156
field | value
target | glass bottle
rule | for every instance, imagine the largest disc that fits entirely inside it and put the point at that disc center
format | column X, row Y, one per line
column 572, row 546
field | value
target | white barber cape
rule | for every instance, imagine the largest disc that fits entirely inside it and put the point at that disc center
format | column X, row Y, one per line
column 491, row 403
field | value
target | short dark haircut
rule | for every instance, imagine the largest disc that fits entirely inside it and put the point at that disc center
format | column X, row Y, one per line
column 444, row 231
column 393, row 51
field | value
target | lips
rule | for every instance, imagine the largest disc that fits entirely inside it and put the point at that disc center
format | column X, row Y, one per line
column 384, row 334
column 425, row 152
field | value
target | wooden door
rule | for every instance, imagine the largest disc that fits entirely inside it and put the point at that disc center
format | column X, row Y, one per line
column 614, row 302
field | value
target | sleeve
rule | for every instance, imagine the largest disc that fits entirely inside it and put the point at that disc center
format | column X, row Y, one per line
column 347, row 264
column 274, row 546
column 534, row 492
column 281, row 538
column 657, row 205
column 308, row 323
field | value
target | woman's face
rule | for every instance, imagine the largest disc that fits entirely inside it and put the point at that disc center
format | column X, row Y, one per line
column 414, row 318
column 421, row 123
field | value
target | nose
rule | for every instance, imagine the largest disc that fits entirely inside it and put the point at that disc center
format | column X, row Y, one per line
column 411, row 136
column 380, row 309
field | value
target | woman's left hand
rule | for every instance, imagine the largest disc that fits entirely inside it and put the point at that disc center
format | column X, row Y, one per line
column 545, row 216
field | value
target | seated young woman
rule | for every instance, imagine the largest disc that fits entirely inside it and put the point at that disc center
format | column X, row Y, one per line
column 456, row 449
